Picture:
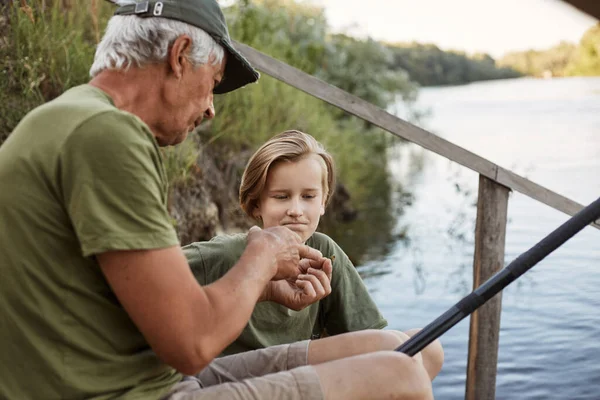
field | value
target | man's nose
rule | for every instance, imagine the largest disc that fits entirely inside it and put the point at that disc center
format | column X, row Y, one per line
column 210, row 111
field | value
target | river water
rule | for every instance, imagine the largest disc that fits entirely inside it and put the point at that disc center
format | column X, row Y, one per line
column 548, row 131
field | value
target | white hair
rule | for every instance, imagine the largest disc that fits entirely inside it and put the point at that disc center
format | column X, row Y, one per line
column 131, row 40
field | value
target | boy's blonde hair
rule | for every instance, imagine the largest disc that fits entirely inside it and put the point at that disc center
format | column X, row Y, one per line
column 288, row 146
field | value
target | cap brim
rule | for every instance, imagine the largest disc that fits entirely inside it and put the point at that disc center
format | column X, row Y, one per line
column 238, row 71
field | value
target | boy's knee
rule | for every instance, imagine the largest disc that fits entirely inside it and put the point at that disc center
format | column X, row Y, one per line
column 433, row 354
column 382, row 339
column 400, row 336
column 437, row 352
column 411, row 378
column 413, row 332
column 435, row 346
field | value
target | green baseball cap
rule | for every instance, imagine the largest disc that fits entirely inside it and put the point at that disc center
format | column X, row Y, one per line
column 206, row 15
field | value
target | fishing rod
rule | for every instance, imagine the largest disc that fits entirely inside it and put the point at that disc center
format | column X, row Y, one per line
column 501, row 279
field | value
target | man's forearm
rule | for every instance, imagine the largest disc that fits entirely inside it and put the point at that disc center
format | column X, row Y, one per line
column 233, row 297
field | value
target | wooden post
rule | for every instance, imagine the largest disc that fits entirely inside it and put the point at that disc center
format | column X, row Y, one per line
column 490, row 235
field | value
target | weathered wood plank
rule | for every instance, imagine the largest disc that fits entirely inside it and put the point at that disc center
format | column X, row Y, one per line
column 484, row 332
column 362, row 109
column 592, row 7
column 540, row 193
column 404, row 129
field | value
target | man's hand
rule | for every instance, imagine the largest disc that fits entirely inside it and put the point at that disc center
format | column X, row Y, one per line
column 311, row 286
column 286, row 249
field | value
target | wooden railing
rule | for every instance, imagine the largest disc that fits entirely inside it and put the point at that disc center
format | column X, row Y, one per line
column 495, row 184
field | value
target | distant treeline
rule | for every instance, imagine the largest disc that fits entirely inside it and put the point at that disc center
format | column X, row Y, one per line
column 564, row 59
column 428, row 65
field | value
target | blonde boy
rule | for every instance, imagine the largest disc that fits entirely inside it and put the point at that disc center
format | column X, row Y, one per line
column 289, row 182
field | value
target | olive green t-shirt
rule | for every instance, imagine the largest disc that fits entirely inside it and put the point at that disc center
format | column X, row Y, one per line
column 348, row 308
column 78, row 177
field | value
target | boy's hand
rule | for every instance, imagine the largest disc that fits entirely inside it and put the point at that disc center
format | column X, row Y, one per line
column 283, row 248
column 313, row 284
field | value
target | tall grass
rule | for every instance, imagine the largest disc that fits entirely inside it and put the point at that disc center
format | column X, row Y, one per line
column 49, row 47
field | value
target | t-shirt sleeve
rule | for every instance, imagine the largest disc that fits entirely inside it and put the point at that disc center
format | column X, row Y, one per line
column 114, row 186
column 349, row 307
column 211, row 260
column 193, row 254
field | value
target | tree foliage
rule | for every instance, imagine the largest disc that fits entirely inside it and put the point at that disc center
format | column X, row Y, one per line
column 564, row 59
column 48, row 46
column 429, row 65
column 539, row 62
column 586, row 59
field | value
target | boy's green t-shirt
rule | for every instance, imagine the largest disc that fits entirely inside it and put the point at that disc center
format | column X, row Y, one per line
column 348, row 308
column 78, row 177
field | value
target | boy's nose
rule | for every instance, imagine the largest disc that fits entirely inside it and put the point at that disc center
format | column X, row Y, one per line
column 294, row 210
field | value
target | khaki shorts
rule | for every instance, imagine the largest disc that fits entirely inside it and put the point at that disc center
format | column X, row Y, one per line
column 277, row 372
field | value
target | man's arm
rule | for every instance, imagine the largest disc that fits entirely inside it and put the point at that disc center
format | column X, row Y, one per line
column 187, row 325
column 211, row 260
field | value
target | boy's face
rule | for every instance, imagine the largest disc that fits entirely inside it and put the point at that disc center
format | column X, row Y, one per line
column 293, row 196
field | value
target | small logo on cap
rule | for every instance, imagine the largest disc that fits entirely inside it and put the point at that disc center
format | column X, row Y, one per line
column 142, row 7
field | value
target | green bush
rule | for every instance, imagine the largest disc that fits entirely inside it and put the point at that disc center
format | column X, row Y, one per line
column 47, row 47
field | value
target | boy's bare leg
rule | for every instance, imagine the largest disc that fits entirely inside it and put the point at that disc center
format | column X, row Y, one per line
column 351, row 366
column 356, row 366
column 368, row 341
column 381, row 375
column 433, row 355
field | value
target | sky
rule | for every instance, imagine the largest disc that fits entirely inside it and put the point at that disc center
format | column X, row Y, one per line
column 489, row 26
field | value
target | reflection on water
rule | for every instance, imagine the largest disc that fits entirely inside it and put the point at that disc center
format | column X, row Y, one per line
column 371, row 234
column 546, row 130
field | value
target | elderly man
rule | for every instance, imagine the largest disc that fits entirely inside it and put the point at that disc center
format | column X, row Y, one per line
column 96, row 297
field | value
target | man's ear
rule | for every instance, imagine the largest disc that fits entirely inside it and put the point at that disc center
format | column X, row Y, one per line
column 178, row 54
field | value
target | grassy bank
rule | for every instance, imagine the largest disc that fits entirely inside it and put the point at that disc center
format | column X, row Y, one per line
column 48, row 47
